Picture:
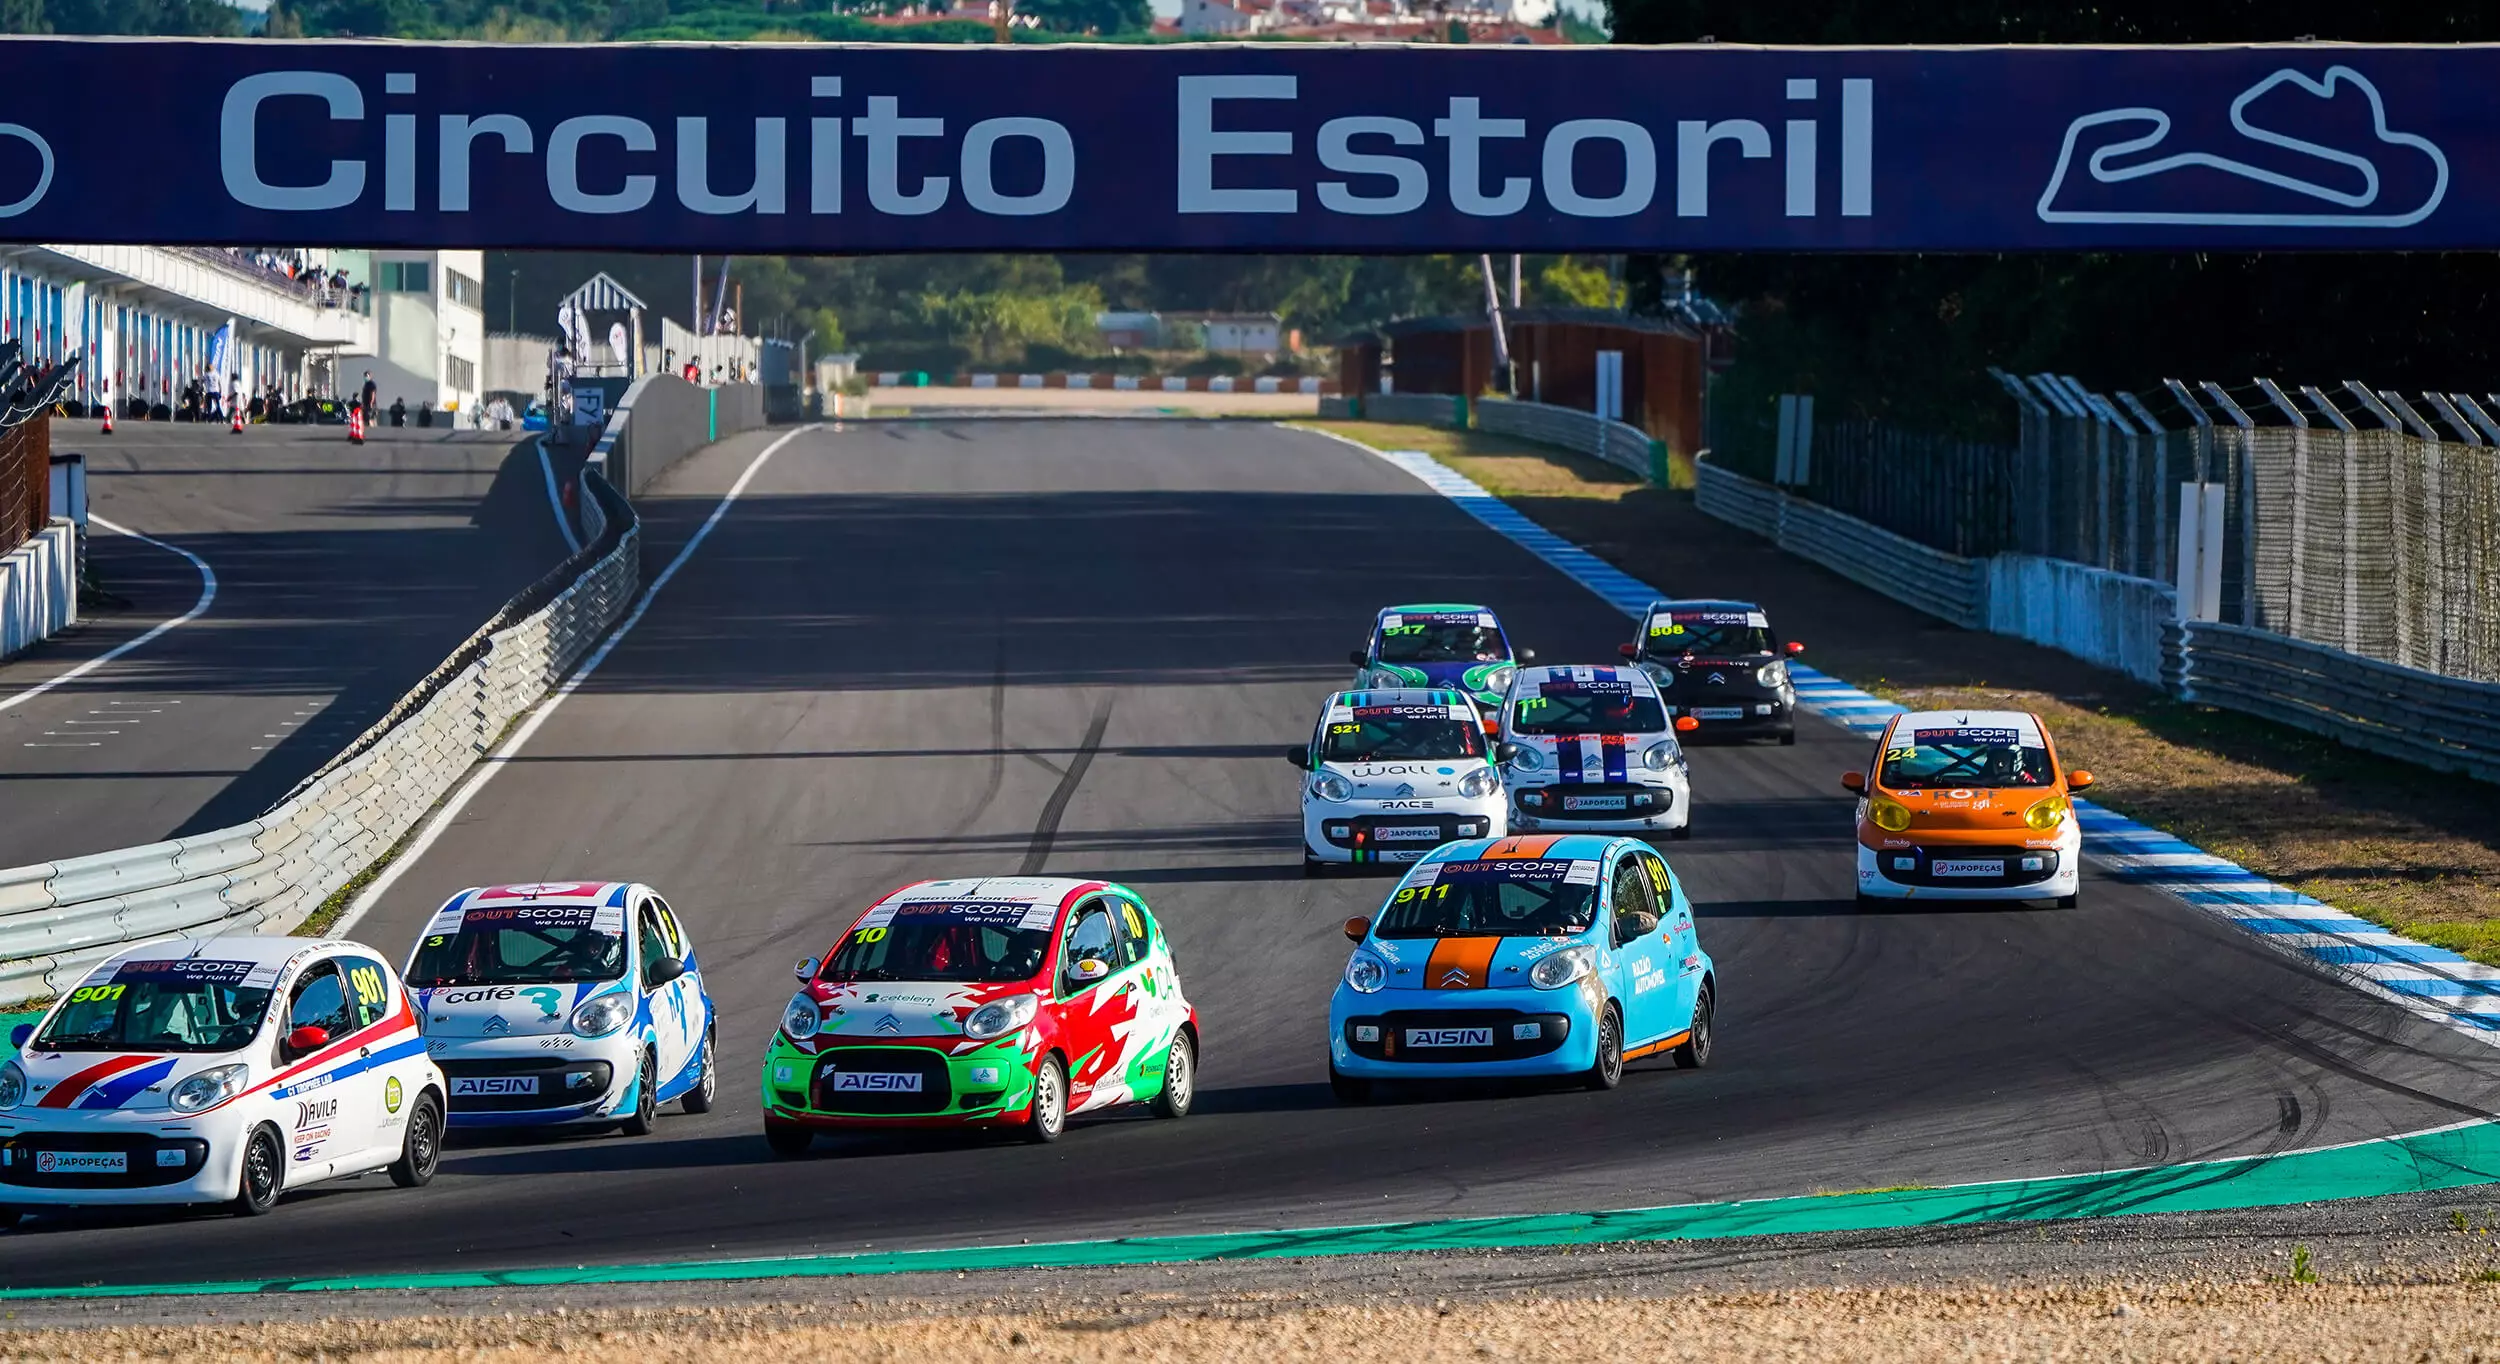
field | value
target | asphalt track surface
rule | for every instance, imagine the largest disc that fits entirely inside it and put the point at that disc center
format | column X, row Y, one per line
column 1078, row 647
column 344, row 575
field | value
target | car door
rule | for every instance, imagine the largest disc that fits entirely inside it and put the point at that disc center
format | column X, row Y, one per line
column 1681, row 954
column 1640, row 962
column 1087, row 1010
column 1145, row 988
column 325, row 1110
column 693, row 1005
column 670, row 1047
column 373, row 991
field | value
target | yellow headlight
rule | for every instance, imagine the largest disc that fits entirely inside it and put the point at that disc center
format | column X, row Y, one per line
column 2046, row 814
column 1890, row 816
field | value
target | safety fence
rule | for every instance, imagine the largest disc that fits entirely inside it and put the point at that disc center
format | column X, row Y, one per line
column 2444, row 723
column 1140, row 383
column 1618, row 443
column 1941, row 584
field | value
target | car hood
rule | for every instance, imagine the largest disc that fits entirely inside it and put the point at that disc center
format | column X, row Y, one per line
column 1464, row 676
column 87, row 1081
column 1463, row 963
column 1577, row 759
column 1972, row 809
column 1401, row 780
column 886, row 1008
column 504, row 1010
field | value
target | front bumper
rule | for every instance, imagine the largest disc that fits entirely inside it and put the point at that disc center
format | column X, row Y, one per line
column 982, row 1086
column 526, row 1082
column 1353, row 831
column 1479, row 1033
column 1743, row 712
column 209, row 1152
column 1882, row 875
column 1643, row 806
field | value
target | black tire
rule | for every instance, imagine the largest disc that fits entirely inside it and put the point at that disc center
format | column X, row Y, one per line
column 1180, row 1077
column 1312, row 868
column 264, row 1174
column 10, row 1217
column 1695, row 1053
column 1349, row 1089
column 788, row 1140
column 2067, row 901
column 421, row 1150
column 1607, row 1070
column 699, row 1098
column 1868, row 902
column 1048, row 1117
column 1682, row 831
column 646, row 1103
column 1788, row 739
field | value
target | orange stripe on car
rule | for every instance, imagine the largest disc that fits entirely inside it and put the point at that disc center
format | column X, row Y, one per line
column 1460, row 963
column 1529, row 846
column 1662, row 1044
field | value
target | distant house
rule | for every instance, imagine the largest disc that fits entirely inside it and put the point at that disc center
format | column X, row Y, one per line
column 1217, row 17
column 1233, row 333
column 1130, row 331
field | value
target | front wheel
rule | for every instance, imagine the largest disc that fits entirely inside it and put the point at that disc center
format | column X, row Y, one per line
column 1788, row 739
column 646, row 1102
column 421, row 1151
column 788, row 1140
column 1049, row 1114
column 2067, row 901
column 1681, row 831
column 1607, row 1070
column 10, row 1217
column 264, row 1173
column 1695, row 1053
column 1180, row 1078
column 699, row 1098
column 1349, row 1089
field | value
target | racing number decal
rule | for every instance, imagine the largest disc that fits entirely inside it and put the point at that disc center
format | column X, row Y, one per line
column 1402, row 630
column 1670, row 628
column 869, row 935
column 1657, row 877
column 90, row 994
column 1421, row 892
column 367, row 983
column 1136, row 926
column 1900, row 755
column 1345, row 729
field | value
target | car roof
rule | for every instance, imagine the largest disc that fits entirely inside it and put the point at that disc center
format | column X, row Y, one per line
column 1435, row 608
column 1025, row 889
column 1699, row 604
column 1559, row 846
column 269, row 953
column 2023, row 723
column 1537, row 675
column 544, row 893
column 1346, row 701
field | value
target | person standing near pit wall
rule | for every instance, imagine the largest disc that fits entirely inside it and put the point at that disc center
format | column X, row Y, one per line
column 372, row 393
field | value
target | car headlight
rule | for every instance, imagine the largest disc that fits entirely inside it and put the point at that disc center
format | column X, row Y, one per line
column 12, row 1085
column 1000, row 1017
column 800, row 1017
column 2046, row 814
column 1500, row 678
column 1658, row 757
column 1889, row 815
column 1558, row 969
column 1365, row 973
column 603, row 1015
column 1773, row 675
column 1332, row 787
column 1527, row 759
column 207, row 1089
column 1482, row 782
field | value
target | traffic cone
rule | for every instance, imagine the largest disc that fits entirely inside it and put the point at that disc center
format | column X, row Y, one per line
column 236, row 426
column 108, row 418
column 356, row 425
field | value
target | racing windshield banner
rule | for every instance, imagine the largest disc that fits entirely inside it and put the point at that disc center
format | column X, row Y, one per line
column 1001, row 914
column 1969, row 737
column 1285, row 147
column 189, row 971
column 607, row 919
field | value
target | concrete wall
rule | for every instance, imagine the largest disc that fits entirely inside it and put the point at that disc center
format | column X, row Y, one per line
column 2119, row 622
column 39, row 588
column 662, row 419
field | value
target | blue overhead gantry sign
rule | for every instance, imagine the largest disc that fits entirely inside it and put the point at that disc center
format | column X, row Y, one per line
column 1261, row 147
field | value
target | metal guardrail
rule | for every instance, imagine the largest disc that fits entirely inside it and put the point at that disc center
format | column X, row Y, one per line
column 1940, row 584
column 58, row 919
column 1618, row 443
column 2444, row 723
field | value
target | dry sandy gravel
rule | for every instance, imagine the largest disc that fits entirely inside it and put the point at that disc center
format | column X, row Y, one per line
column 2188, row 1321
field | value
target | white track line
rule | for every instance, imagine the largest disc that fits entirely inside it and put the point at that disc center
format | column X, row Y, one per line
column 495, row 762
column 555, row 500
column 208, row 594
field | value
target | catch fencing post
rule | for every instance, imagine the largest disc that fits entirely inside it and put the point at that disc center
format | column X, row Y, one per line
column 2403, row 544
column 2297, row 605
column 2057, row 473
column 2249, row 532
column 2030, row 450
column 2117, row 421
column 2349, row 539
column 2150, row 564
column 2443, row 632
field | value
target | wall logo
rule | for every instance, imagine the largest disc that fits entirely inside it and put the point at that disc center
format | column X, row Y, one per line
column 2267, row 177
column 43, row 178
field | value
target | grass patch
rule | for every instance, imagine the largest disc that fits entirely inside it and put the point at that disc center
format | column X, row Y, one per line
column 1504, row 466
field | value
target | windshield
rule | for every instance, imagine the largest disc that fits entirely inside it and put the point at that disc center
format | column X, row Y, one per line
column 1708, row 634
column 1471, row 637
column 1383, row 733
column 521, row 944
column 1508, row 897
column 952, row 940
column 187, row 1005
column 1982, row 757
column 1589, row 708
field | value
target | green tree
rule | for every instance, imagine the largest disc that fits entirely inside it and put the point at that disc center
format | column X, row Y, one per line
column 23, row 16
column 1569, row 282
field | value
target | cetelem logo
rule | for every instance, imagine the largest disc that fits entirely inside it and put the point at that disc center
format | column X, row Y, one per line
column 876, row 1082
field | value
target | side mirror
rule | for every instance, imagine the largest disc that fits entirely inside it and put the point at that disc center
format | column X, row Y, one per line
column 1357, row 928
column 1854, row 781
column 806, row 969
column 1361, row 658
column 1635, row 925
column 308, row 1038
column 1523, row 656
column 1629, row 651
column 2078, row 779
column 661, row 971
column 1685, row 724
column 1794, row 648
column 1299, row 755
column 1088, row 970
column 1503, row 753
column 19, row 1034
